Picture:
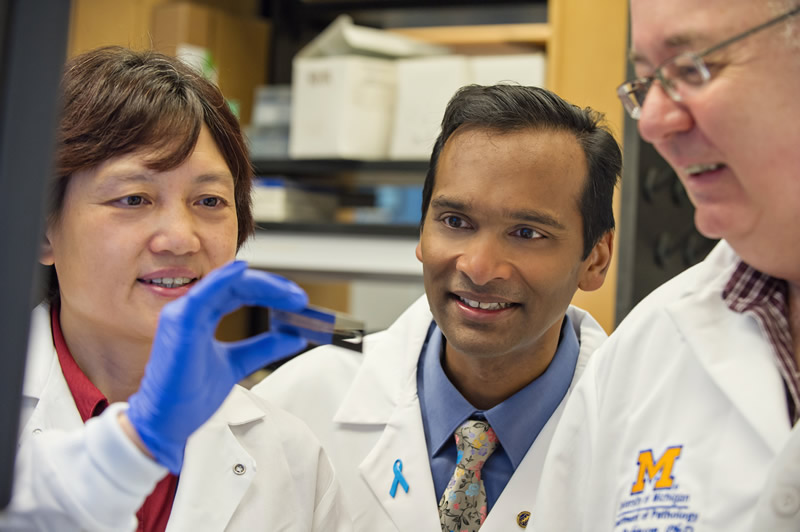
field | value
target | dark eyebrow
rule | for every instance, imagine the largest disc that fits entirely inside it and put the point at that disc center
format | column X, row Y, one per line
column 448, row 203
column 530, row 216
column 536, row 217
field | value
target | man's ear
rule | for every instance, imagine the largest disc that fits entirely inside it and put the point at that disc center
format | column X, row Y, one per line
column 595, row 266
column 46, row 250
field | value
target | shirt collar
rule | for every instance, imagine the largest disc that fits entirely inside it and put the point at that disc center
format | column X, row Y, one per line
column 89, row 400
column 749, row 288
column 446, row 409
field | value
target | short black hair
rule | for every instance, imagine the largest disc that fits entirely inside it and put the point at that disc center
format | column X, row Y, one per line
column 506, row 108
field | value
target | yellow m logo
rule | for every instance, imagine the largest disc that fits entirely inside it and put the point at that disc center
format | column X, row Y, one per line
column 649, row 469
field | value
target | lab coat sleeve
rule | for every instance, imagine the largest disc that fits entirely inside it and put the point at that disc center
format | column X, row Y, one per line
column 563, row 497
column 92, row 479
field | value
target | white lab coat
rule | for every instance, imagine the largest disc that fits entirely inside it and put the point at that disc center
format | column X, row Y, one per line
column 686, row 379
column 286, row 482
column 365, row 411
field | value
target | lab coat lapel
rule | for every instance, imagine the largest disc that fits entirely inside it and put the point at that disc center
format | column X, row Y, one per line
column 738, row 360
column 217, row 472
column 520, row 493
column 45, row 383
column 403, row 438
column 382, row 378
column 384, row 392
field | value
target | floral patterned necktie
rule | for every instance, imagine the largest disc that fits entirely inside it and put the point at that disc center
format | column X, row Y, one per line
column 463, row 504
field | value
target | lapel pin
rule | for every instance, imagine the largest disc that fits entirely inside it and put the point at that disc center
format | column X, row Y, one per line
column 522, row 519
column 398, row 478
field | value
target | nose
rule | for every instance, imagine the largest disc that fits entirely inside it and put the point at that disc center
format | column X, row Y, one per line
column 483, row 259
column 175, row 232
column 661, row 116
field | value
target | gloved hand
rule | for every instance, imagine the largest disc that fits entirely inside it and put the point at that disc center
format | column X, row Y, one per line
column 190, row 372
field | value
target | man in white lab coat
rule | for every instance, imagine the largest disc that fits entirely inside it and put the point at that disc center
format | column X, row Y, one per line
column 686, row 419
column 517, row 216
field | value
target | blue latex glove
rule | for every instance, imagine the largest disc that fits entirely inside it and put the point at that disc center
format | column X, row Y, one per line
column 190, row 373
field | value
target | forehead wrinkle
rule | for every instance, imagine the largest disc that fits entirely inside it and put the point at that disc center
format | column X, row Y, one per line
column 141, row 175
column 223, row 178
column 136, row 175
column 675, row 44
column 689, row 40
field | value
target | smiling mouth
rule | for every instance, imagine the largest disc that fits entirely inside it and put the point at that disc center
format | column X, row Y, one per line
column 699, row 169
column 485, row 306
column 170, row 282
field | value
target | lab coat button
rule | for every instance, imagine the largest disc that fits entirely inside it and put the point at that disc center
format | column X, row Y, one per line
column 37, row 431
column 239, row 469
column 786, row 501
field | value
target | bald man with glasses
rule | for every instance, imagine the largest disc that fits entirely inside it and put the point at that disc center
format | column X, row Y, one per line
column 685, row 419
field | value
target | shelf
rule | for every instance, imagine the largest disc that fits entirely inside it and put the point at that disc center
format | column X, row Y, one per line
column 480, row 34
column 334, row 228
column 356, row 5
column 330, row 166
column 341, row 255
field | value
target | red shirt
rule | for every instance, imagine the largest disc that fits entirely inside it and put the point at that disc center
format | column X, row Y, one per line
column 154, row 514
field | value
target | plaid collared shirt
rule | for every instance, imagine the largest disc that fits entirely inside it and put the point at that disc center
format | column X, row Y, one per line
column 766, row 299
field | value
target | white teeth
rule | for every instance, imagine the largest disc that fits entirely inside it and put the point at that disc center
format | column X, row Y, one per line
column 171, row 282
column 700, row 168
column 484, row 306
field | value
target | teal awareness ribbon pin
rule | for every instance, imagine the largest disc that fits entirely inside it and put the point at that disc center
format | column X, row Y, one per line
column 398, row 478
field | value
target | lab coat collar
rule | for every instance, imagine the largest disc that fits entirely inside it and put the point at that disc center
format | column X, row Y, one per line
column 387, row 386
column 741, row 363
column 41, row 353
column 590, row 335
column 218, row 470
column 45, row 388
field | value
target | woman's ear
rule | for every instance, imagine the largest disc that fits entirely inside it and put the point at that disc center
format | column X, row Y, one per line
column 46, row 250
column 595, row 266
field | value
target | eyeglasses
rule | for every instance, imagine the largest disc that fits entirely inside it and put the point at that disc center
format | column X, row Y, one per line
column 688, row 69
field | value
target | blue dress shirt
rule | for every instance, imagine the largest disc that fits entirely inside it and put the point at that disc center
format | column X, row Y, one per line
column 517, row 421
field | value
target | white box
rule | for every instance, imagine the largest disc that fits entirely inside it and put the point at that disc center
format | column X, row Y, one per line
column 341, row 107
column 343, row 91
column 279, row 200
column 524, row 69
column 424, row 86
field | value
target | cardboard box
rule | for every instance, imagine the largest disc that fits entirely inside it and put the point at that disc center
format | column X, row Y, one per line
column 343, row 91
column 231, row 49
column 247, row 8
column 95, row 23
column 524, row 69
column 424, row 86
